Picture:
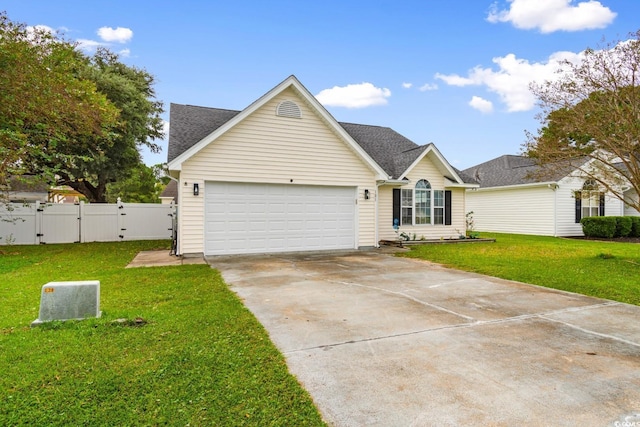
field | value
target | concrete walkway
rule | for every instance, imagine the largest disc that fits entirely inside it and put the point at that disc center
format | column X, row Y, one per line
column 162, row 258
column 385, row 341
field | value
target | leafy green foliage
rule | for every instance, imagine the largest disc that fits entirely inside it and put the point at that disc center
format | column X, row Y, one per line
column 623, row 226
column 590, row 118
column 199, row 357
column 130, row 89
column 568, row 264
column 48, row 112
column 635, row 226
column 141, row 187
column 599, row 226
column 65, row 115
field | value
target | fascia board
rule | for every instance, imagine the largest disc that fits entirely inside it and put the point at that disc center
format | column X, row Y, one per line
column 443, row 162
column 462, row 186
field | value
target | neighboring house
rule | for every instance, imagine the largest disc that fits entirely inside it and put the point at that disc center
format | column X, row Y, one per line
column 170, row 193
column 26, row 189
column 515, row 198
column 283, row 175
column 30, row 189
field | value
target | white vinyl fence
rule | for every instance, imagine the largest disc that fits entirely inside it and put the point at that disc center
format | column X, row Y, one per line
column 37, row 222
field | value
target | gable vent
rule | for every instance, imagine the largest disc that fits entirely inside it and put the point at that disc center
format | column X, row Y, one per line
column 289, row 109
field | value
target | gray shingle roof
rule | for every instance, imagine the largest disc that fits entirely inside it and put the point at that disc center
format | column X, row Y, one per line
column 189, row 124
column 171, row 190
column 391, row 151
column 514, row 170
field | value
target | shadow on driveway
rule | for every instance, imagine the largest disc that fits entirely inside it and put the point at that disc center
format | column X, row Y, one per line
column 386, row 341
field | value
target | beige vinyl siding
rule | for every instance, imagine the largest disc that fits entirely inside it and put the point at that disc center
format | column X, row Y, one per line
column 426, row 169
column 527, row 210
column 265, row 148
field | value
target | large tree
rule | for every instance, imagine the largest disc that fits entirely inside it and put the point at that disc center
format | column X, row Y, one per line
column 590, row 117
column 131, row 90
column 49, row 113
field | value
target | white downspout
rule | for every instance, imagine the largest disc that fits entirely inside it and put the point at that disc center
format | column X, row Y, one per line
column 377, row 220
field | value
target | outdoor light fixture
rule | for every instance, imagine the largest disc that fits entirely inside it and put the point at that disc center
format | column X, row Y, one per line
column 366, row 194
column 196, row 189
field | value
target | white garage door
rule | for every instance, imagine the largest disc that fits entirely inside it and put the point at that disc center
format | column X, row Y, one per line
column 260, row 218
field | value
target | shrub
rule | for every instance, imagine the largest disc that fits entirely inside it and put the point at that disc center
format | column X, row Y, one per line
column 623, row 226
column 599, row 226
column 635, row 226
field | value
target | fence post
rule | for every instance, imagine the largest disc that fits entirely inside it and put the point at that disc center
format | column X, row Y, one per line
column 38, row 222
column 121, row 221
column 81, row 237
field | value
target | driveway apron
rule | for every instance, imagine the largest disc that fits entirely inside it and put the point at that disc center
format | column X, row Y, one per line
column 379, row 340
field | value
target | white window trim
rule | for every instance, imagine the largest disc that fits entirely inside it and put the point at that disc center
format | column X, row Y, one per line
column 432, row 205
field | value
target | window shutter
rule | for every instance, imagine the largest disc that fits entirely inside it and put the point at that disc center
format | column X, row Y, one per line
column 578, row 196
column 601, row 213
column 396, row 206
column 447, row 207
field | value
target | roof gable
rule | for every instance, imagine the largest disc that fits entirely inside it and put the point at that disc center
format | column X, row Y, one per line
column 188, row 144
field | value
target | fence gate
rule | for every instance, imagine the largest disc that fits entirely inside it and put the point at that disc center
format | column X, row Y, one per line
column 59, row 223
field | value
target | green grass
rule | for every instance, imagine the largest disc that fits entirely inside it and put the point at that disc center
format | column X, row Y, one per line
column 201, row 358
column 608, row 270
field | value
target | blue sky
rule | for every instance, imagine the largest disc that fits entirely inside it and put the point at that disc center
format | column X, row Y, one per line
column 454, row 73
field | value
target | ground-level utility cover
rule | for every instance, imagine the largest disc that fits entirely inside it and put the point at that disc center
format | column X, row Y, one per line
column 69, row 300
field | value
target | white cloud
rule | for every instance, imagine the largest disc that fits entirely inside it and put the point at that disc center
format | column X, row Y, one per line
column 454, row 80
column 165, row 129
column 125, row 53
column 407, row 85
column 481, row 104
column 88, row 45
column 428, row 86
column 354, row 96
column 118, row 35
column 553, row 15
column 513, row 77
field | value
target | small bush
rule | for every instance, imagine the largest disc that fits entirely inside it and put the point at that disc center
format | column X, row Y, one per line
column 623, row 226
column 599, row 226
column 635, row 226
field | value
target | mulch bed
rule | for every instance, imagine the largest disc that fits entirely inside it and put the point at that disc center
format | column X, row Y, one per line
column 613, row 239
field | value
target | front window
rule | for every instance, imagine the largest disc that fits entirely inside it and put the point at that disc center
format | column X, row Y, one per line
column 407, row 206
column 422, row 205
column 590, row 199
column 423, row 202
column 438, row 207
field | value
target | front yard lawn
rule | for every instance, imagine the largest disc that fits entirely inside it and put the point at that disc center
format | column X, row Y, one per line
column 201, row 358
column 608, row 270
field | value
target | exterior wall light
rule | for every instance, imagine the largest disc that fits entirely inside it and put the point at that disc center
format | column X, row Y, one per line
column 366, row 194
column 196, row 189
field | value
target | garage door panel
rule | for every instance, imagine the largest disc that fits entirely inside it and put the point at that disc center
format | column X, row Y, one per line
column 255, row 218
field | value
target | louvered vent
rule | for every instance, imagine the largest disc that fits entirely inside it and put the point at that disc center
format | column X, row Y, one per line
column 289, row 109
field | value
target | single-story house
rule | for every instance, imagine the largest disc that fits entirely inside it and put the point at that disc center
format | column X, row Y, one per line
column 514, row 197
column 283, row 175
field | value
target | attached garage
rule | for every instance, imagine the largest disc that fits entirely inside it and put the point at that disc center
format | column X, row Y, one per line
column 245, row 218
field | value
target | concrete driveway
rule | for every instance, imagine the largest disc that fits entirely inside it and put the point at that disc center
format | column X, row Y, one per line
column 384, row 341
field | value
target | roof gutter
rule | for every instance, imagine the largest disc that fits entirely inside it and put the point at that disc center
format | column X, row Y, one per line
column 550, row 184
column 393, row 182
